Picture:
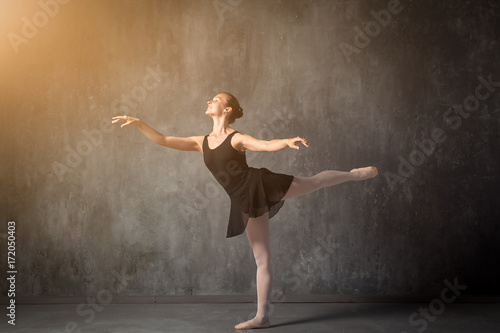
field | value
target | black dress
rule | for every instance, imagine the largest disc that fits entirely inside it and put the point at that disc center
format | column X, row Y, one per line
column 253, row 192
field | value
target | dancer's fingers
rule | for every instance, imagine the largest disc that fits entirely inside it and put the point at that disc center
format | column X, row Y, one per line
column 118, row 118
column 127, row 120
column 302, row 140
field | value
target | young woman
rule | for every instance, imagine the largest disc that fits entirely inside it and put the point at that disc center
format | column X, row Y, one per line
column 256, row 194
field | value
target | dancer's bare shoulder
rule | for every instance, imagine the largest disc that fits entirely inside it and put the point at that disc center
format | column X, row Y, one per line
column 198, row 142
column 238, row 141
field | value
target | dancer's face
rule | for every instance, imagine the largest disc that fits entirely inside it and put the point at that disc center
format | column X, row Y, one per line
column 216, row 106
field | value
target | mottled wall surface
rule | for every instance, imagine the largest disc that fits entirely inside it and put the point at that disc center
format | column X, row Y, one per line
column 412, row 87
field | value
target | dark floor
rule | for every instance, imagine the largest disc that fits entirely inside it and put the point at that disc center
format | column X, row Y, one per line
column 286, row 317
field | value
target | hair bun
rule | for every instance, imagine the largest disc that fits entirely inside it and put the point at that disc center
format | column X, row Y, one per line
column 232, row 102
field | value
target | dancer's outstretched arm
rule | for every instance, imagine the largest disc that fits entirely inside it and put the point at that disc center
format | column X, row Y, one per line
column 246, row 141
column 192, row 143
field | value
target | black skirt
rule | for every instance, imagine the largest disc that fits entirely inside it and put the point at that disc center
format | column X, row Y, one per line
column 261, row 192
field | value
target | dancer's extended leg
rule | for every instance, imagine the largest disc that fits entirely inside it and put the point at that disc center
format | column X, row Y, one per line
column 305, row 185
column 257, row 231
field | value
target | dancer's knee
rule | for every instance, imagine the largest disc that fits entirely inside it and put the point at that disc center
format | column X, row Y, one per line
column 262, row 260
column 317, row 181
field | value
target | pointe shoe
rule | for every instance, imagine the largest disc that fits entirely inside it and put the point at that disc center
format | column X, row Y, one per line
column 249, row 326
column 368, row 172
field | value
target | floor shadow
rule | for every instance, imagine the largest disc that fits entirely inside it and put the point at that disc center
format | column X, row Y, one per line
column 310, row 319
column 335, row 314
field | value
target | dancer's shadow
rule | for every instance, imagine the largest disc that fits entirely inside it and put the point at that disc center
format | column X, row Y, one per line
column 343, row 314
column 310, row 319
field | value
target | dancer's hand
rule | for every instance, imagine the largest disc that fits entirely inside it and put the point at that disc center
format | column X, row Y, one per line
column 126, row 119
column 292, row 143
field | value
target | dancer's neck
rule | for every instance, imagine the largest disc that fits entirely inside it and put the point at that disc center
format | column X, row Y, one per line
column 220, row 128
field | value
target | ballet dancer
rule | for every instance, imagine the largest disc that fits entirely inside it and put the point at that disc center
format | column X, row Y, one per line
column 256, row 194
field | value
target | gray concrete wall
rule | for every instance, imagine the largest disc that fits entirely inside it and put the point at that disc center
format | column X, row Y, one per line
column 102, row 207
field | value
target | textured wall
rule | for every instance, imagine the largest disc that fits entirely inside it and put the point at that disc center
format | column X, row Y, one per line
column 403, row 86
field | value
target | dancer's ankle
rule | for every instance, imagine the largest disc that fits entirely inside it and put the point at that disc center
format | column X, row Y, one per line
column 261, row 318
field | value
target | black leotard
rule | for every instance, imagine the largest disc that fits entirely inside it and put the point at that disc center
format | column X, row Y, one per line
column 253, row 192
column 228, row 165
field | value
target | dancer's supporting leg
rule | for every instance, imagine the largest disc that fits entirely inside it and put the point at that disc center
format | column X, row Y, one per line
column 305, row 185
column 257, row 231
